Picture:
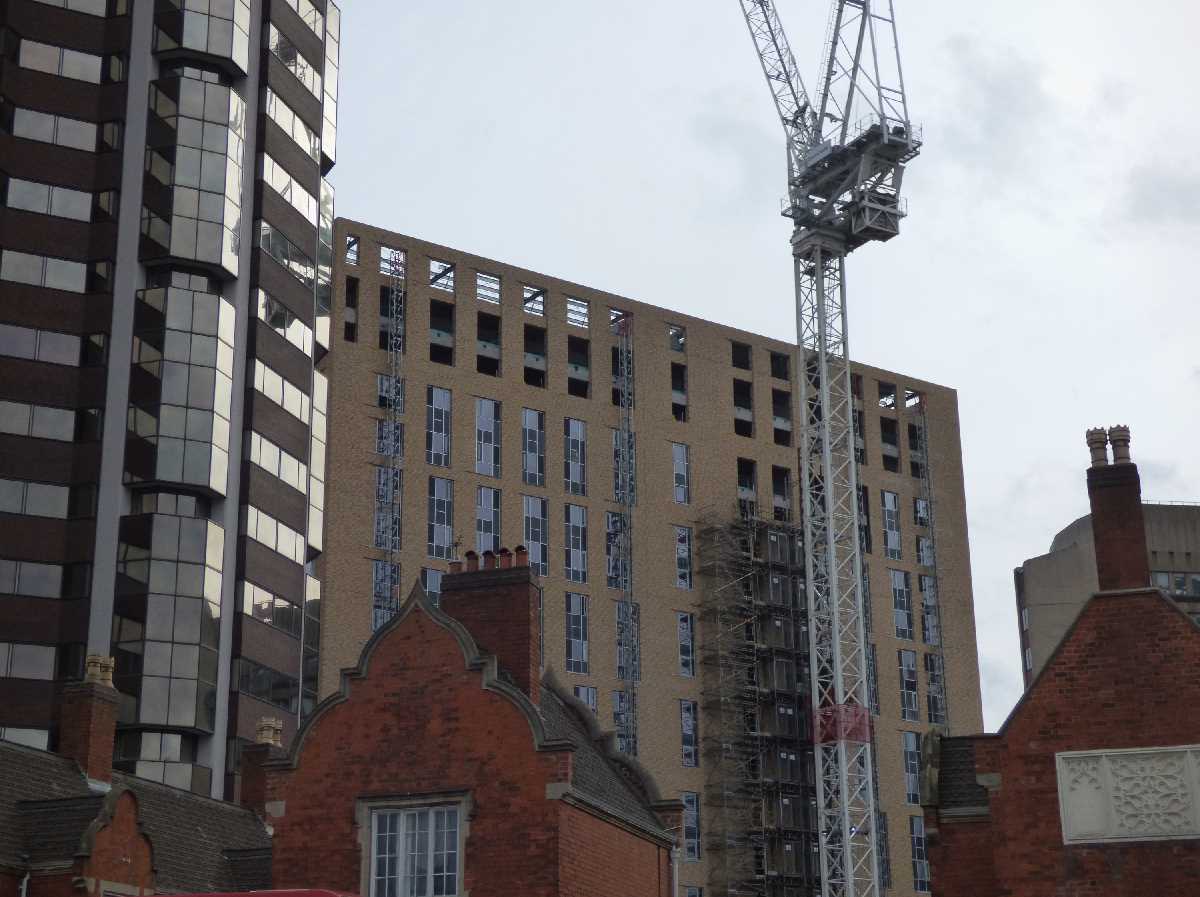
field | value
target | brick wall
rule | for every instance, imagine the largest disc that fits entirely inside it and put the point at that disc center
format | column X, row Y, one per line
column 598, row 859
column 120, row 854
column 420, row 723
column 1116, row 682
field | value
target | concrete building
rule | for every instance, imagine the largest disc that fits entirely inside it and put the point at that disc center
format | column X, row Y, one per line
column 509, row 425
column 1090, row 786
column 1052, row 588
column 164, row 293
column 448, row 762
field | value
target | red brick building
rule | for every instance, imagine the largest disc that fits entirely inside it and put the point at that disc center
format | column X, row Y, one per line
column 1091, row 788
column 70, row 826
column 450, row 765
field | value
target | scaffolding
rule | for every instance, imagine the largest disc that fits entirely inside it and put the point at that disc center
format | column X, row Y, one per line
column 624, row 488
column 757, row 742
column 387, row 602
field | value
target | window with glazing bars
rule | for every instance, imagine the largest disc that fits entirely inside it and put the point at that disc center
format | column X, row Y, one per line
column 931, row 630
column 533, row 447
column 536, row 528
column 691, row 825
column 437, row 426
column 689, row 732
column 487, row 287
column 389, row 437
column 578, row 312
column 619, row 484
column 909, row 705
column 414, row 852
column 441, row 275
column 577, row 633
column 683, row 477
column 891, row 525
column 574, row 456
column 628, row 661
column 431, row 582
column 902, row 603
column 385, row 578
column 936, row 695
column 487, row 519
column 390, row 391
column 487, row 437
column 575, row 543
column 683, row 557
column 439, row 542
column 615, row 562
column 925, row 551
column 920, row 857
column 686, row 624
column 388, row 490
column 620, row 703
column 872, row 681
column 911, row 745
column 587, row 694
column 921, row 511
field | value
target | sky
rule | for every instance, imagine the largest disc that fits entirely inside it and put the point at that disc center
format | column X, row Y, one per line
column 633, row 146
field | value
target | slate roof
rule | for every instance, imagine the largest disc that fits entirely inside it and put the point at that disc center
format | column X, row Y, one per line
column 597, row 776
column 199, row 844
column 957, row 787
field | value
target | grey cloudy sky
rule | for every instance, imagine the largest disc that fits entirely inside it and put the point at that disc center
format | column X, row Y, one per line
column 1045, row 272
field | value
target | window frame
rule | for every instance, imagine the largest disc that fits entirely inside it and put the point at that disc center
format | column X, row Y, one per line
column 366, row 811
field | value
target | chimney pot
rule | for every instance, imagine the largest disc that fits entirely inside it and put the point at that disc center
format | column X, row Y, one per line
column 1097, row 442
column 1119, row 437
column 505, row 559
column 269, row 731
column 472, row 561
column 489, row 560
column 521, row 556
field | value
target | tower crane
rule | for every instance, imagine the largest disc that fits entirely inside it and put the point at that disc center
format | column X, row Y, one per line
column 846, row 155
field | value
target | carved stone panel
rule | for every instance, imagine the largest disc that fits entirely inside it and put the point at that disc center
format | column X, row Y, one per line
column 1129, row 795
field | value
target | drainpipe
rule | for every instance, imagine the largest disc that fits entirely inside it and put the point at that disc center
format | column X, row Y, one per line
column 24, row 886
column 674, row 873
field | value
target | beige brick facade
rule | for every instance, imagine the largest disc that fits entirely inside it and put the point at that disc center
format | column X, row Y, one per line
column 714, row 449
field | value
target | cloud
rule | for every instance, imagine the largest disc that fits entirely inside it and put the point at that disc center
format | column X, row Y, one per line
column 1166, row 194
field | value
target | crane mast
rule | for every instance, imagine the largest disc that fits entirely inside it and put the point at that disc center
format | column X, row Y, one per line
column 846, row 157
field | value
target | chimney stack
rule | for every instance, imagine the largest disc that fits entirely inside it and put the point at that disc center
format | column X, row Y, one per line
column 1118, row 528
column 499, row 602
column 87, row 720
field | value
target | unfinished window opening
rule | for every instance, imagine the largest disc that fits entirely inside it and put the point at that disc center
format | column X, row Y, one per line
column 781, row 416
column 887, row 395
column 889, row 438
column 856, row 387
column 676, row 338
column 864, row 523
column 616, row 563
column 441, row 275
column 921, row 511
column 860, row 429
column 741, row 356
column 441, row 332
column 747, row 481
column 578, row 367
column 487, row 287
column 350, row 312
column 535, row 356
column 781, row 366
column 391, row 317
column 781, row 493
column 533, row 300
column 617, row 319
column 622, row 388
column 743, row 408
column 912, row 398
column 578, row 312
column 391, row 261
column 351, row 249
column 487, row 344
column 679, row 390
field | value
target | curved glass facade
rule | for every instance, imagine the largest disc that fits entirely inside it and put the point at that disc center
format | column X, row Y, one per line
column 166, row 627
column 195, row 141
column 216, row 28
column 181, row 385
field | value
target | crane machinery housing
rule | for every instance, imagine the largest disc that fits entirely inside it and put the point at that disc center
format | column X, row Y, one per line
column 846, row 155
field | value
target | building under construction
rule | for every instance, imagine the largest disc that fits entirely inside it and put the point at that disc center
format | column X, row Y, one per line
column 618, row 440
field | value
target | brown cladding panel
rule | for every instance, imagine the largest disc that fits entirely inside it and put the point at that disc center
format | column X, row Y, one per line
column 288, row 361
column 51, row 384
column 272, row 571
column 26, row 703
column 53, row 164
column 46, row 539
column 266, row 645
column 48, row 461
column 278, row 499
column 289, row 23
column 284, row 150
column 292, row 92
column 46, row 620
column 78, row 31
column 276, row 280
column 49, row 309
column 39, row 90
column 275, row 209
column 276, row 424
